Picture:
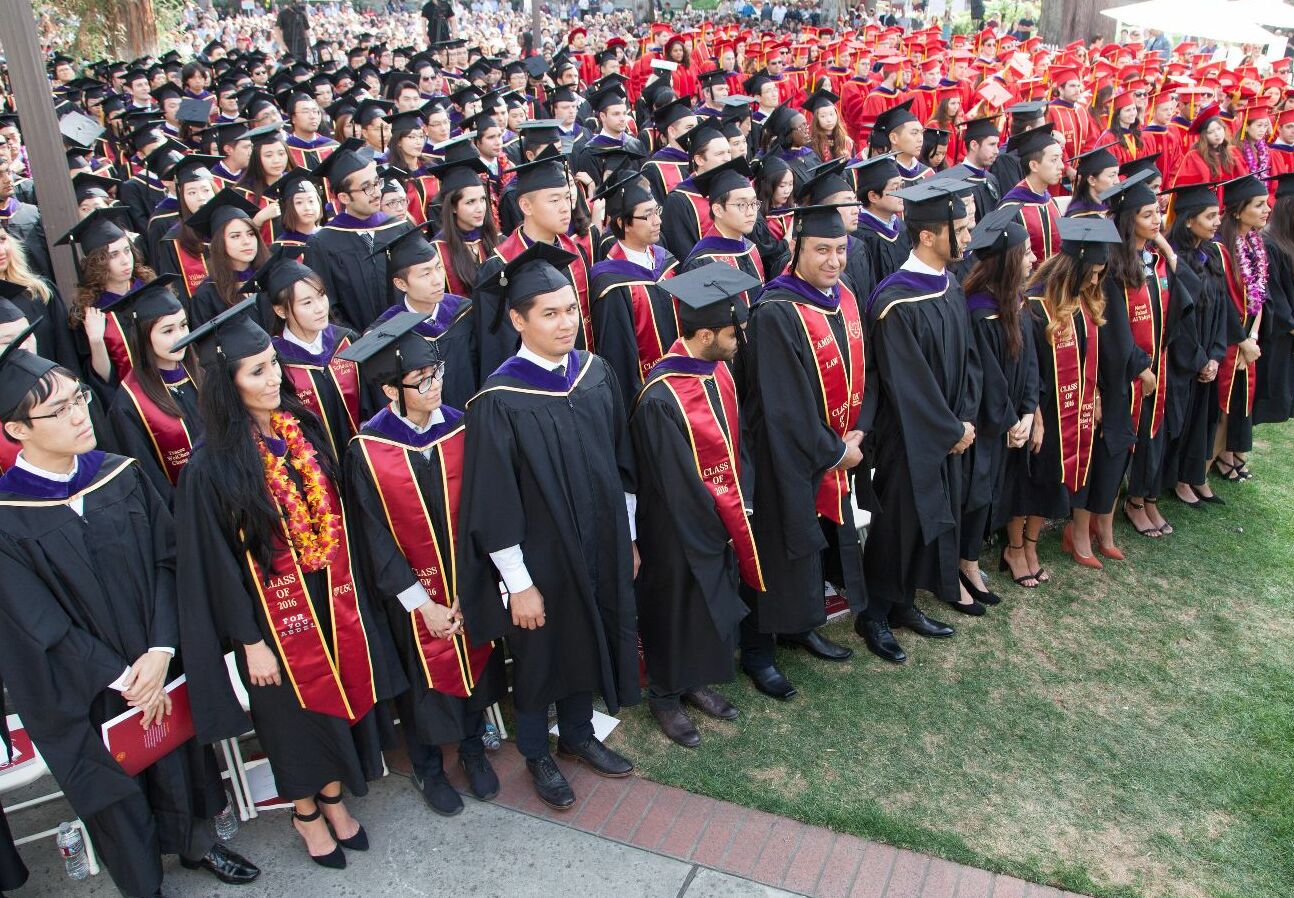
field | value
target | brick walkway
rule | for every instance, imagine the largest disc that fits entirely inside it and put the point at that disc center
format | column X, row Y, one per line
column 772, row 850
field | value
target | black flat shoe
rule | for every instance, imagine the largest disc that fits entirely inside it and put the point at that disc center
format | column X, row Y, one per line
column 603, row 760
column 1197, row 504
column 550, row 784
column 225, row 864
column 481, row 778
column 916, row 621
column 974, row 609
column 440, row 796
column 880, row 640
column 977, row 590
column 357, row 842
column 1215, row 499
column 772, row 682
column 817, row 645
column 333, row 860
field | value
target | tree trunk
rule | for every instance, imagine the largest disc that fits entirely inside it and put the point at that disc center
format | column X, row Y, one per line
column 1063, row 21
column 138, row 26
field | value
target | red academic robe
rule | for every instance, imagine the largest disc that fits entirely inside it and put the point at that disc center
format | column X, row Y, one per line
column 1194, row 170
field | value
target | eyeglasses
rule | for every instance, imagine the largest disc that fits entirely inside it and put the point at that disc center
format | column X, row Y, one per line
column 651, row 213
column 81, row 399
column 752, row 206
column 369, row 187
column 424, row 386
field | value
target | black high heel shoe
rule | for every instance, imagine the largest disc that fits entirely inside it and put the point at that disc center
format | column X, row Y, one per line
column 977, row 590
column 357, row 842
column 1005, row 566
column 333, row 860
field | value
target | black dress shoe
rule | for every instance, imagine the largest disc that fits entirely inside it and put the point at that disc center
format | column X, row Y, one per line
column 550, row 785
column 973, row 609
column 440, row 796
column 676, row 725
column 710, row 702
column 772, row 682
column 880, row 640
column 226, row 865
column 357, row 842
column 481, row 778
column 817, row 644
column 918, row 623
column 603, row 760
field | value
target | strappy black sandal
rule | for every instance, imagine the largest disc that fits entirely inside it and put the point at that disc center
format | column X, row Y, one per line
column 1041, row 574
column 1005, row 566
column 333, row 860
column 357, row 842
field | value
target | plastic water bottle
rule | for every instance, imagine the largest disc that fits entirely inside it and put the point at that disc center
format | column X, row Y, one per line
column 72, row 846
column 226, row 821
column 491, row 737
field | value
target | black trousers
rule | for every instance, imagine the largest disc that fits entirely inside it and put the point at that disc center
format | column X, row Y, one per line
column 429, row 760
column 574, row 725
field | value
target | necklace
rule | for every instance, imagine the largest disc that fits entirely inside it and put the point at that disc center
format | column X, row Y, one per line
column 314, row 529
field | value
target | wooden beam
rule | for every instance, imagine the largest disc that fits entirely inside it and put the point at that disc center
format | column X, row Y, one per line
column 40, row 134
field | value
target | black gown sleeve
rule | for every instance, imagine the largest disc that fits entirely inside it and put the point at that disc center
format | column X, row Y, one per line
column 613, row 334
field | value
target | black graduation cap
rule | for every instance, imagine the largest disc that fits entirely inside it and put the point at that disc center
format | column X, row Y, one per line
column 823, row 181
column 713, row 78
column 194, row 167
column 545, row 171
column 874, row 172
column 657, row 93
column 466, row 94
column 616, row 156
column 231, row 336
column 391, row 349
column 350, row 157
column 606, row 96
column 735, row 108
column 997, row 232
column 256, row 102
column 535, row 271
column 370, row 110
column 478, row 69
column 934, row 137
column 894, row 117
column 755, row 83
column 409, row 247
column 711, row 296
column 1131, row 193
column 562, row 95
column 226, row 133
column 481, row 121
column 672, row 111
column 780, row 119
column 80, row 129
column 513, row 100
column 340, row 107
column 706, row 130
column 934, row 201
column 770, row 168
column 820, row 221
column 460, row 173
column 457, row 148
column 1189, row 199
column 280, row 271
column 224, row 207
column 194, row 111
column 1141, row 163
column 1094, row 160
column 294, row 181
column 1088, row 238
column 151, row 300
column 391, row 179
column 164, row 156
column 819, row 98
column 86, row 185
column 1284, row 184
column 535, row 66
column 404, row 122
column 540, row 131
column 100, row 228
column 20, row 371
column 1030, row 109
column 1238, row 191
column 1032, row 141
column 624, row 193
column 731, row 175
column 166, row 91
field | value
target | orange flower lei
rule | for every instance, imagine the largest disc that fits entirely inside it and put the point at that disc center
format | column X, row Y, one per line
column 313, row 527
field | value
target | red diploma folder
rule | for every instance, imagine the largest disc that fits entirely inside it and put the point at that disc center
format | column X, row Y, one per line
column 135, row 748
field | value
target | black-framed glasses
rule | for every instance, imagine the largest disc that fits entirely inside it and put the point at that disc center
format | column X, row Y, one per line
column 424, row 385
column 80, row 399
column 369, row 187
column 657, row 212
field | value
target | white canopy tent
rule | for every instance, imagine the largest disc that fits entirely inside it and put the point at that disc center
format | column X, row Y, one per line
column 1213, row 20
column 1272, row 13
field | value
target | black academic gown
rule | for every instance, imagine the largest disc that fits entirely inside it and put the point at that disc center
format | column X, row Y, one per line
column 222, row 612
column 140, row 195
column 623, row 295
column 985, row 187
column 339, row 419
column 438, row 718
column 1274, row 393
column 207, row 303
column 354, row 278
column 85, row 597
column 688, row 600
column 546, row 466
column 887, row 249
column 452, row 329
column 1007, row 169
column 858, row 274
column 53, row 334
column 23, row 222
column 929, row 384
column 133, row 437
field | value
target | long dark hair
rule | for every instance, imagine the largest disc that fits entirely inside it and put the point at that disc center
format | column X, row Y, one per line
column 188, row 239
column 139, row 337
column 221, row 270
column 1125, row 268
column 462, row 260
column 248, row 514
column 254, row 180
column 1217, row 157
column 1229, row 232
column 1001, row 276
column 1280, row 227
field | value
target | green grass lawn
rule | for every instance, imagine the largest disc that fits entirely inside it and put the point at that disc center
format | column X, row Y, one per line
column 1119, row 733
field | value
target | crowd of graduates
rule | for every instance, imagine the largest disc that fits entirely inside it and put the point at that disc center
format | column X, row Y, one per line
column 388, row 365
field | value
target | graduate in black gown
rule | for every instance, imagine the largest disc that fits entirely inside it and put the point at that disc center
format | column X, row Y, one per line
column 235, row 251
column 695, row 496
column 89, row 609
column 403, row 474
column 265, row 567
column 805, row 366
column 548, row 466
column 880, row 227
column 342, row 251
column 733, row 213
column 1008, row 395
column 417, row 272
column 154, row 415
column 981, row 138
column 1274, row 393
column 687, row 211
column 928, row 397
column 829, row 185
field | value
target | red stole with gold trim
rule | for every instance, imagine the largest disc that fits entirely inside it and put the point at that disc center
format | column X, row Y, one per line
column 344, row 375
column 193, row 269
column 1231, row 363
column 170, row 437
column 452, row 665
column 1141, row 320
column 8, row 453
column 114, row 339
column 1075, row 380
column 647, row 329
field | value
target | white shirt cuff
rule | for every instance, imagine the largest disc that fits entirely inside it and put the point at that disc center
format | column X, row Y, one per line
column 631, row 506
column 119, row 684
column 414, row 597
column 163, row 648
column 512, row 568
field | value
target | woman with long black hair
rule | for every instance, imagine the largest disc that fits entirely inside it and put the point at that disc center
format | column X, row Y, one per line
column 1274, row 399
column 1192, row 409
column 467, row 233
column 270, row 161
column 154, row 416
column 1008, row 400
column 180, row 250
column 1123, row 136
column 264, row 565
column 235, row 251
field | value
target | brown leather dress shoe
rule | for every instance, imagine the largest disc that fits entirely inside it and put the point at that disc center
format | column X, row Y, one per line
column 710, row 702
column 677, row 726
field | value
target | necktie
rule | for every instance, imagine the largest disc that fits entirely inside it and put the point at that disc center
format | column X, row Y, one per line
column 367, row 237
column 560, row 370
